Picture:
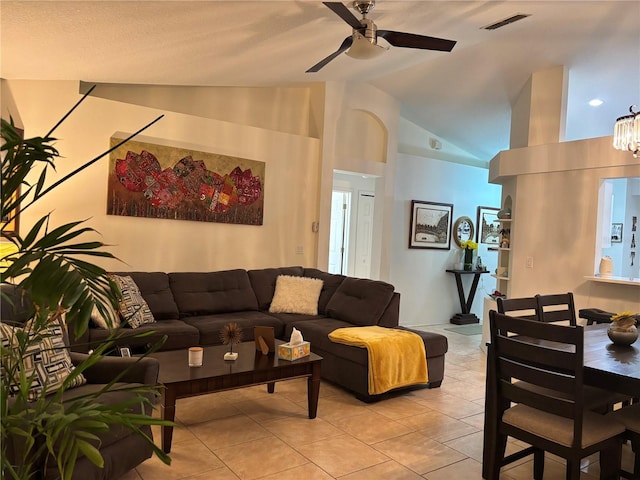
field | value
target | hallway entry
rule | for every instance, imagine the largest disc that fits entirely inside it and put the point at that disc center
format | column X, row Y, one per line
column 352, row 222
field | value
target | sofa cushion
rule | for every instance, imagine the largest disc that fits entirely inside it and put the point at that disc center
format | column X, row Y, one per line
column 290, row 318
column 330, row 283
column 15, row 304
column 296, row 295
column 317, row 333
column 178, row 333
column 360, row 301
column 210, row 326
column 213, row 292
column 435, row 344
column 263, row 282
column 46, row 359
column 155, row 289
column 133, row 307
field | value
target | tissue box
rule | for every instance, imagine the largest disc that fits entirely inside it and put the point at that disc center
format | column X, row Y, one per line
column 293, row 352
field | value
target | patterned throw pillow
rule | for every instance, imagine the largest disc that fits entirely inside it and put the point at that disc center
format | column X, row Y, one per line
column 46, row 360
column 133, row 307
column 296, row 295
column 106, row 323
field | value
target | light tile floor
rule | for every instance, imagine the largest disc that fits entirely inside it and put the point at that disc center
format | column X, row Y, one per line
column 433, row 434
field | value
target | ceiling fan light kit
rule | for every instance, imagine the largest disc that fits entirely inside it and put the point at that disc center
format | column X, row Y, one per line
column 363, row 43
column 363, row 49
column 626, row 133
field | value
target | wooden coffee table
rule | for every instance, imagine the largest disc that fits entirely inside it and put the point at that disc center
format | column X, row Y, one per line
column 216, row 374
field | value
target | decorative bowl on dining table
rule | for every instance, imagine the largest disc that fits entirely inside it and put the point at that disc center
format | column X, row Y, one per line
column 623, row 330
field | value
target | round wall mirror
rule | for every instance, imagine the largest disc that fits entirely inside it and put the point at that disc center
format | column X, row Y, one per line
column 463, row 230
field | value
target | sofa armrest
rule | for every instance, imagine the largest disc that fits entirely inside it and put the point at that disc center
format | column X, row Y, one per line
column 133, row 370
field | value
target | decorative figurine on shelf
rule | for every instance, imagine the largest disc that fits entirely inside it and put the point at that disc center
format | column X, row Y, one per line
column 505, row 239
column 231, row 334
column 468, row 246
column 504, row 214
column 479, row 265
column 623, row 330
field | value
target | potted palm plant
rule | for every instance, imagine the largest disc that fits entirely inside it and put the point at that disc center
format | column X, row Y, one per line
column 52, row 266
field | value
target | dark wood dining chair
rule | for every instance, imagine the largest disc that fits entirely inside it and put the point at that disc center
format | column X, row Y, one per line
column 560, row 307
column 551, row 418
column 557, row 307
column 630, row 418
column 523, row 307
column 533, row 308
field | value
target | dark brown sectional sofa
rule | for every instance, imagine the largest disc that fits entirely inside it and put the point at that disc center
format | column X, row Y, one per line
column 191, row 308
column 120, row 447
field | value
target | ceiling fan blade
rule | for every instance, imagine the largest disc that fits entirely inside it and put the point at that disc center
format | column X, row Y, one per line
column 345, row 45
column 411, row 40
column 344, row 13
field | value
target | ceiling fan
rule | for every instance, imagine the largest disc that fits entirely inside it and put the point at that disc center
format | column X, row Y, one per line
column 363, row 43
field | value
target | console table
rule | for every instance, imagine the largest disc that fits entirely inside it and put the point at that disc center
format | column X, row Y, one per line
column 466, row 317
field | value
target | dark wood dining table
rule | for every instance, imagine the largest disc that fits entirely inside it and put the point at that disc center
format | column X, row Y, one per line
column 609, row 366
column 612, row 367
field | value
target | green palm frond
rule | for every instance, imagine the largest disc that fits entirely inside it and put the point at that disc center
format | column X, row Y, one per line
column 53, row 264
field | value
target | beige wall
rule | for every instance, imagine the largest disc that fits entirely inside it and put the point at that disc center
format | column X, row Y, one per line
column 299, row 167
column 291, row 184
column 555, row 205
column 416, row 141
column 282, row 109
column 341, row 100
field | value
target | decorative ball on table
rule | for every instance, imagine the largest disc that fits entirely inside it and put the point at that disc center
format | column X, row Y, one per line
column 231, row 334
column 623, row 330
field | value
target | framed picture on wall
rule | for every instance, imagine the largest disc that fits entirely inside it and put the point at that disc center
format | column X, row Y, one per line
column 430, row 225
column 487, row 227
column 9, row 222
column 616, row 233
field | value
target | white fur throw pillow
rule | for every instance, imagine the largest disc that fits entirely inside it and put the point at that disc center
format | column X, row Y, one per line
column 296, row 295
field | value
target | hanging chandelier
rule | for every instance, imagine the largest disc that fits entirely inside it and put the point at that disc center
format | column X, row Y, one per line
column 626, row 133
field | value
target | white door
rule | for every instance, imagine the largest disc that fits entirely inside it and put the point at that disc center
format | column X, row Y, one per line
column 364, row 232
column 339, row 233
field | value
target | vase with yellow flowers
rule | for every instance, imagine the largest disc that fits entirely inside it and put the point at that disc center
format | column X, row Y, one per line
column 623, row 330
column 468, row 248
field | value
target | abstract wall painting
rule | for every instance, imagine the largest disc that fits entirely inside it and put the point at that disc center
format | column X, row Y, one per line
column 11, row 219
column 159, row 181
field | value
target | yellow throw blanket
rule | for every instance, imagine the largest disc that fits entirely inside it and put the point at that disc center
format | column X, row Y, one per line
column 396, row 357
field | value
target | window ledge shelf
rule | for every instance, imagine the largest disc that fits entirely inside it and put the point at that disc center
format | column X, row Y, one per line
column 616, row 280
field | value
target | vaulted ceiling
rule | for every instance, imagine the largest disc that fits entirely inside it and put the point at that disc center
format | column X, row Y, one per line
column 464, row 96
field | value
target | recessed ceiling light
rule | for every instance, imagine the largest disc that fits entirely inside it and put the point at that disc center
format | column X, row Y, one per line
column 596, row 102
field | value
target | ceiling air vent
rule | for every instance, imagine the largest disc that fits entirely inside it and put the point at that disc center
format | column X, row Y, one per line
column 506, row 21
